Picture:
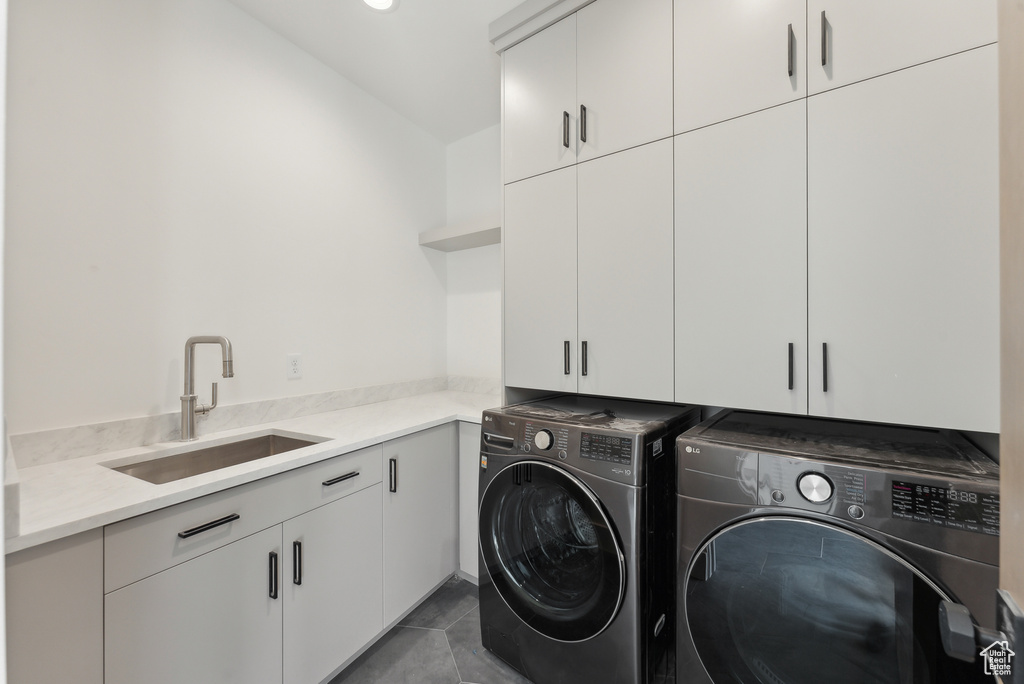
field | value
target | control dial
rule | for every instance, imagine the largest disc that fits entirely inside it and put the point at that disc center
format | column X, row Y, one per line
column 543, row 440
column 815, row 487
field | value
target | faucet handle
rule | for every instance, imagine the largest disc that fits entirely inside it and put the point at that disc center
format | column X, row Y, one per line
column 203, row 408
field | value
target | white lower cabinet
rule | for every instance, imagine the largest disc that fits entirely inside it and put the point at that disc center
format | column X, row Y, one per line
column 210, row 619
column 420, row 517
column 333, row 590
column 289, row 603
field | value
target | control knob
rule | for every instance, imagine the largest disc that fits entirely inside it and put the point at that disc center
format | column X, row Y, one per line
column 543, row 440
column 815, row 487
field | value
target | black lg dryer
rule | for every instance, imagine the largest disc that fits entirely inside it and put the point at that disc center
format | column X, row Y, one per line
column 818, row 551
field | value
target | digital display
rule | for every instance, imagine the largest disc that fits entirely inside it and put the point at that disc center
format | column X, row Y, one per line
column 614, row 449
column 959, row 509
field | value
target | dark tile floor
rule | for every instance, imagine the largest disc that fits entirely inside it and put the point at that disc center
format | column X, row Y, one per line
column 438, row 643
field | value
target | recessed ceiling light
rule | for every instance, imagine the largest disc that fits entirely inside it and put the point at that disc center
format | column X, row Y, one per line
column 382, row 5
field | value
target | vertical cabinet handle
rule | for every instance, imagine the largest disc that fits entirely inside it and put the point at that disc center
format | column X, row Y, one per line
column 273, row 574
column 296, row 562
column 583, row 123
column 566, row 356
column 790, row 365
column 824, row 367
column 565, row 130
column 790, row 48
column 824, row 39
column 583, row 361
column 393, row 475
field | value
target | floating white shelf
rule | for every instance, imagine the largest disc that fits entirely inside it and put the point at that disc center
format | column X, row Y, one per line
column 463, row 236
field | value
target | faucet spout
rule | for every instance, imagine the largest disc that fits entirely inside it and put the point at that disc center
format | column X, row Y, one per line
column 189, row 407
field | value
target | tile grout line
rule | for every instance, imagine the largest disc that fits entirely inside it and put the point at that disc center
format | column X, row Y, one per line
column 452, row 654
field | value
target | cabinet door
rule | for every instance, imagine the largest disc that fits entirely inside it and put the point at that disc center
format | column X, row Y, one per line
column 420, row 526
column 625, row 273
column 741, row 262
column 903, row 246
column 210, row 619
column 333, row 586
column 734, row 57
column 624, row 74
column 540, row 282
column 539, row 102
column 867, row 38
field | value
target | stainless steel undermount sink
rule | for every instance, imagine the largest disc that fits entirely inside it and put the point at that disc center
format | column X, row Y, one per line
column 204, row 459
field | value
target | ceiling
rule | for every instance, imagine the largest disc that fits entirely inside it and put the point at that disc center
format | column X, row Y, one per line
column 430, row 60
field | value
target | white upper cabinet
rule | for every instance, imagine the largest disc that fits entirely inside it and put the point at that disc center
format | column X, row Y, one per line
column 540, row 282
column 625, row 274
column 733, row 57
column 903, row 246
column 539, row 112
column 851, row 40
column 597, row 82
column 624, row 75
column 741, row 262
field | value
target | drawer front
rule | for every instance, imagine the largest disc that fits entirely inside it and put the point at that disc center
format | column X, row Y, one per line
column 147, row 544
column 336, row 478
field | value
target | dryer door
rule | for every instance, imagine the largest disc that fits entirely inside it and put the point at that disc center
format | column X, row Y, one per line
column 551, row 551
column 778, row 599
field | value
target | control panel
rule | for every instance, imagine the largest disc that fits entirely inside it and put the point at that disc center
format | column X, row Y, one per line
column 611, row 448
column 960, row 509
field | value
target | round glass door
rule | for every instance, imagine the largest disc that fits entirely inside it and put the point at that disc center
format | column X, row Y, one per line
column 791, row 601
column 551, row 551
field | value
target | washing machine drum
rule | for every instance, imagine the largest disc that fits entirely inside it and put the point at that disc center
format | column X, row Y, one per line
column 779, row 600
column 551, row 551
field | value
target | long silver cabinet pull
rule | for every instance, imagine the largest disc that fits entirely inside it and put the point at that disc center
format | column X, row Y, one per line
column 340, row 478
column 393, row 475
column 296, row 562
column 565, row 130
column 273, row 575
column 790, row 48
column 565, row 354
column 824, row 366
column 583, row 123
column 824, row 39
column 193, row 531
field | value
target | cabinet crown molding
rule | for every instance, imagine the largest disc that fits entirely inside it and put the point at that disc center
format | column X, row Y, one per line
column 529, row 18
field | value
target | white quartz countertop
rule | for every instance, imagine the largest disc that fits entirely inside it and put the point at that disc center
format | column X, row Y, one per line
column 65, row 498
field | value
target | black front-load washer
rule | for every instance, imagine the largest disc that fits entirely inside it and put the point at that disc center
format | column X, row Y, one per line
column 576, row 537
column 818, row 551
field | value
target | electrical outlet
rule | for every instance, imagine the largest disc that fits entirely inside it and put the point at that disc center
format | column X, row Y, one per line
column 1010, row 621
column 294, row 369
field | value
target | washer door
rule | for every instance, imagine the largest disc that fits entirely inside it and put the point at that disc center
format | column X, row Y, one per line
column 778, row 600
column 551, row 551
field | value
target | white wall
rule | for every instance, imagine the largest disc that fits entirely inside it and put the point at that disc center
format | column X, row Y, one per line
column 3, row 425
column 174, row 169
column 474, row 275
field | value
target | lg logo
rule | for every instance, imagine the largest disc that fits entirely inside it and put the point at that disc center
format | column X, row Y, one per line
column 692, row 450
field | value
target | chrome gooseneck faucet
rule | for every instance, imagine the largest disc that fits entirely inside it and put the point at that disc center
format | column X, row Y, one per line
column 189, row 407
